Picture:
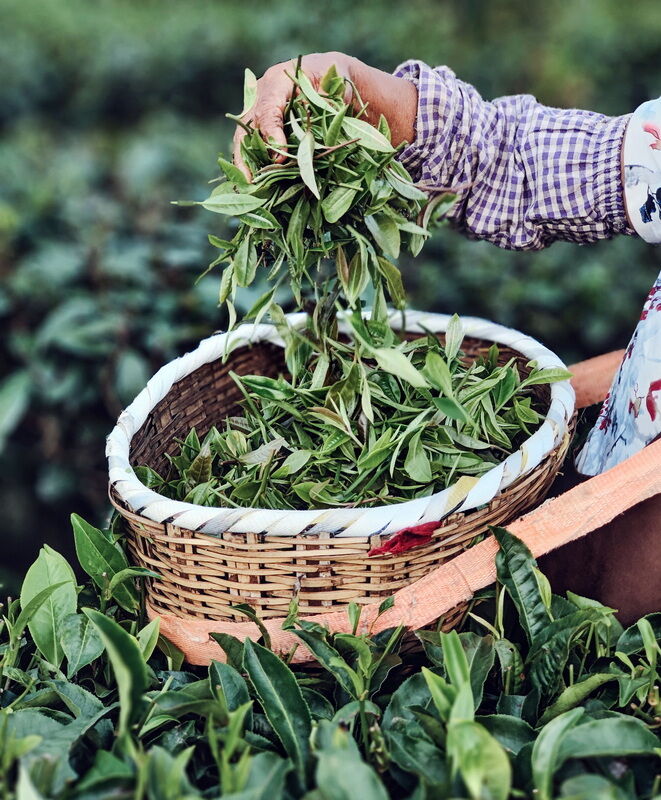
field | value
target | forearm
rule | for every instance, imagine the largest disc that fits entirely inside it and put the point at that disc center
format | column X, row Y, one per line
column 531, row 174
column 394, row 97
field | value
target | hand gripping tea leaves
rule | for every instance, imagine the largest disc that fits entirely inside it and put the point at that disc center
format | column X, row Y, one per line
column 360, row 416
column 336, row 211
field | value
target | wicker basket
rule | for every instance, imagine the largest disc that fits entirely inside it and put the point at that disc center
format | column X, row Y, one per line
column 211, row 559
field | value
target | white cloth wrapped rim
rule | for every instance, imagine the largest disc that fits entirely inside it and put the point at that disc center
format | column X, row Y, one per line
column 345, row 522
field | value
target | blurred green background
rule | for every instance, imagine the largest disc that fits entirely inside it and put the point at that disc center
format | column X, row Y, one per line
column 111, row 109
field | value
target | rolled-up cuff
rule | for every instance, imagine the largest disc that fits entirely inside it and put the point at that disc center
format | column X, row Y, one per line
column 607, row 175
column 434, row 102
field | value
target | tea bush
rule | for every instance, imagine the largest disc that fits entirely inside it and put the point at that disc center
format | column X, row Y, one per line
column 540, row 695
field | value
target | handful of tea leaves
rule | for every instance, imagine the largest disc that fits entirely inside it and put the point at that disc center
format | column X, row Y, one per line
column 387, row 421
column 339, row 198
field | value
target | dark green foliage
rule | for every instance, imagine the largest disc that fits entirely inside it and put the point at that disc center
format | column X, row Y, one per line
column 127, row 719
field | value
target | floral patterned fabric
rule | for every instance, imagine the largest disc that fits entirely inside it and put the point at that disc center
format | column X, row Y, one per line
column 630, row 417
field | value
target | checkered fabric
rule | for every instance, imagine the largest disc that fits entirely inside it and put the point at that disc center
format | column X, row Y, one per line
column 530, row 174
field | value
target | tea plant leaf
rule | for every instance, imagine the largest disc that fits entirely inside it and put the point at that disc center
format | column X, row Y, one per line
column 542, row 376
column 417, row 755
column 128, row 666
column 129, row 574
column 480, row 760
column 417, row 464
column 232, row 647
column 515, row 565
column 260, row 218
column 631, row 640
column 344, row 776
column 451, row 408
column 28, row 611
column 304, row 156
column 166, row 774
column 575, row 694
column 312, row 94
column 395, row 362
column 148, row 638
column 337, row 202
column 368, row 136
column 385, row 233
column 47, row 615
column 282, row 701
column 245, row 263
column 224, row 678
column 265, row 780
column 615, row 736
column 102, row 560
column 232, row 204
column 438, row 373
column 232, row 173
column 511, row 733
column 546, row 751
column 249, row 90
column 393, row 281
column 80, row 642
column 480, row 655
column 454, row 336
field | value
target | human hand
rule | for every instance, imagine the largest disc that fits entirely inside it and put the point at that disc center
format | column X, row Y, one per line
column 395, row 98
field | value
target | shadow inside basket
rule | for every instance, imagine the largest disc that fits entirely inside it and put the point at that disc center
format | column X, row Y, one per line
column 203, row 575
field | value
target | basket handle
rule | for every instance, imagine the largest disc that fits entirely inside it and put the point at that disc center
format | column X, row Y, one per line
column 583, row 509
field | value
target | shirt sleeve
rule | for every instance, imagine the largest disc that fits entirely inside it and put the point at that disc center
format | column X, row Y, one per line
column 526, row 175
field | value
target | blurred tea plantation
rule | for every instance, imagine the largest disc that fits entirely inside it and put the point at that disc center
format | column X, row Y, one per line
column 110, row 110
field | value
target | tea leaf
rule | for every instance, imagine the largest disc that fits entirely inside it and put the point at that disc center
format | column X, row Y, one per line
column 385, row 233
column 128, row 666
column 249, row 90
column 368, row 136
column 245, row 263
column 232, row 204
column 454, row 336
column 102, row 560
column 515, row 565
column 395, row 362
column 311, row 93
column 80, row 642
column 49, row 613
column 304, row 156
column 282, row 701
column 337, row 202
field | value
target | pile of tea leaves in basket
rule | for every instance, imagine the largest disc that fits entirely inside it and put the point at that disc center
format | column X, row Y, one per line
column 365, row 417
column 394, row 422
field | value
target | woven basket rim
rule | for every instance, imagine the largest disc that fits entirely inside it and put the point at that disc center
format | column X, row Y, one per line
column 356, row 522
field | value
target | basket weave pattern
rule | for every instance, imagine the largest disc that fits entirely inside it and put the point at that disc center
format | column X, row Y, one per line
column 203, row 575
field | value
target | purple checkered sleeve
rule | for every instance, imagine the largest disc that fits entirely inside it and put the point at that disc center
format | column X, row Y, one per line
column 530, row 174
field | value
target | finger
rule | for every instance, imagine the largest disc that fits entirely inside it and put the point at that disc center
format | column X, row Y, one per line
column 271, row 128
column 271, row 103
column 239, row 136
